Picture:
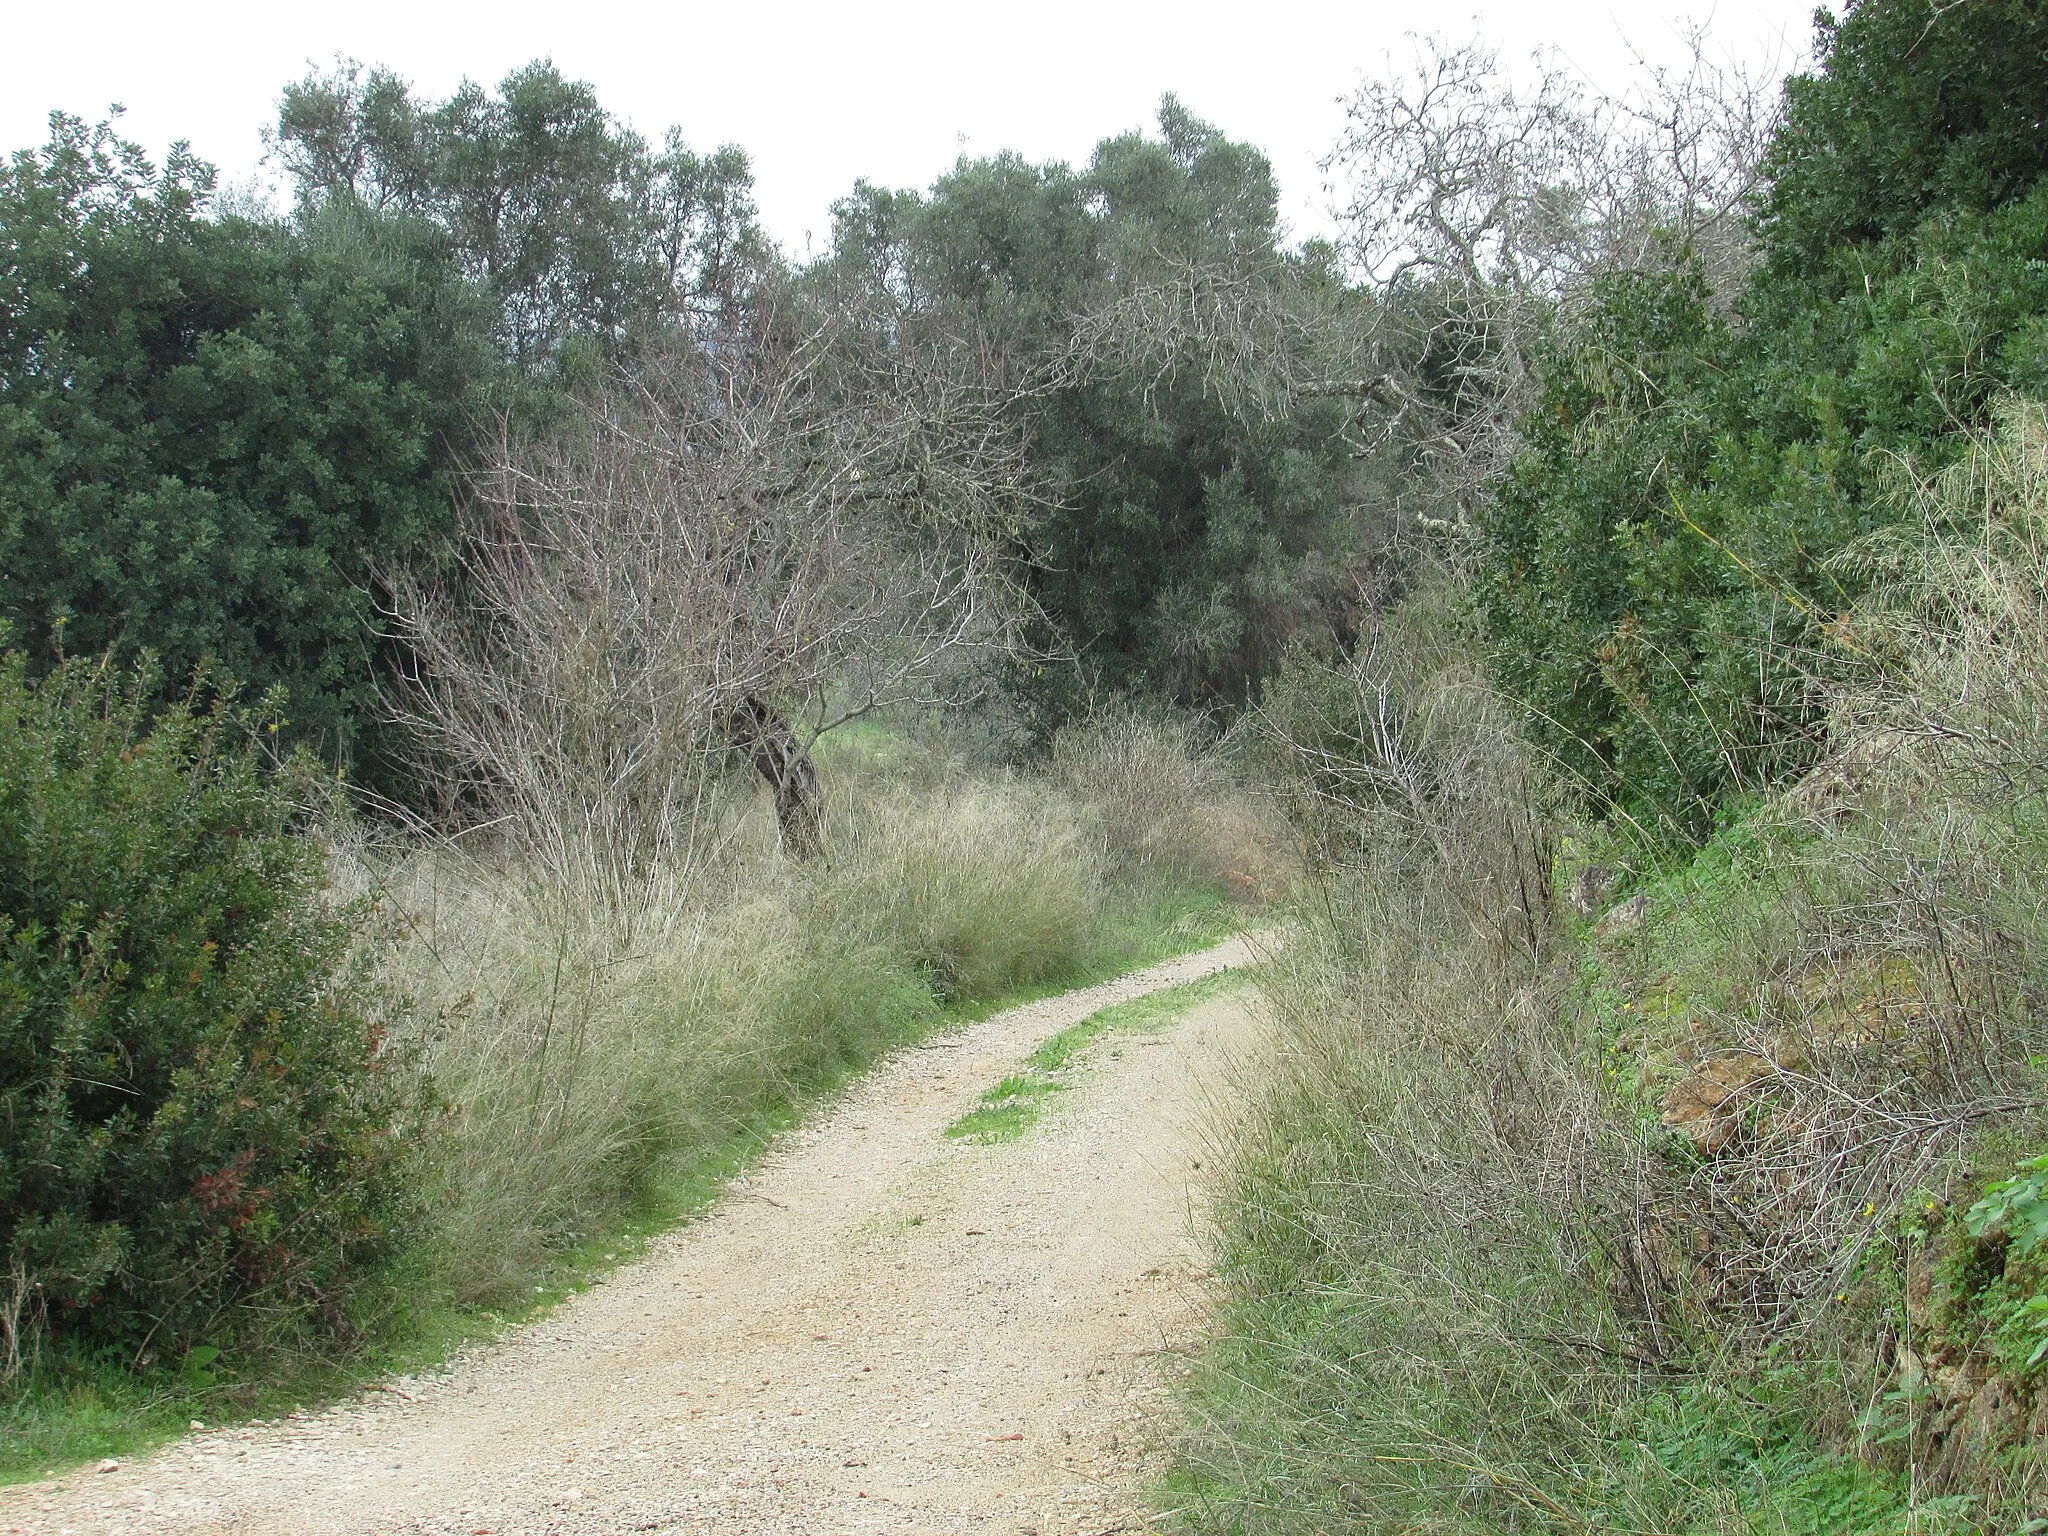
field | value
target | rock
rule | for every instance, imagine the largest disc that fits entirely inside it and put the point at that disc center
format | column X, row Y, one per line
column 1625, row 920
column 1591, row 887
column 1699, row 1103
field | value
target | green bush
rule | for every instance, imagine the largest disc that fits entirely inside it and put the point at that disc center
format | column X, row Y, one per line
column 215, row 429
column 198, row 1122
column 1664, row 564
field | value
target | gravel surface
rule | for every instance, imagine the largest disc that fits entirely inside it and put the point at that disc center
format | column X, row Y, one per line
column 877, row 1330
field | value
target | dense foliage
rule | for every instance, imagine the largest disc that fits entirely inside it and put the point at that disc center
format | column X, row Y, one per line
column 572, row 226
column 1663, row 561
column 1672, row 1161
column 220, row 432
column 213, row 430
column 195, row 1112
column 1187, row 538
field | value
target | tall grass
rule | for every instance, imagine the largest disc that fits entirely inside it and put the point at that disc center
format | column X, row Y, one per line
column 1656, row 1220
column 1416, row 1282
column 588, row 1048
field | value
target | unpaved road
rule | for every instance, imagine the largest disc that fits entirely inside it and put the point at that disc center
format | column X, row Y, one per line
column 878, row 1330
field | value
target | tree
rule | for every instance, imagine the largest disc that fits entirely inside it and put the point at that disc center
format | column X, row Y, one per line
column 1481, row 210
column 214, row 429
column 1198, row 527
column 577, row 229
column 729, row 550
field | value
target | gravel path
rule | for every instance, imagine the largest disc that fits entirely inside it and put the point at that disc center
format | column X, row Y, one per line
column 878, row 1330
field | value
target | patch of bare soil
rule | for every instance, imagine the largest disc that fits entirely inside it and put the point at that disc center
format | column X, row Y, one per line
column 879, row 1330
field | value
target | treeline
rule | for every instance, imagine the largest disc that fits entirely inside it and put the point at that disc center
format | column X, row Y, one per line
column 227, row 434
column 224, row 430
column 1651, row 390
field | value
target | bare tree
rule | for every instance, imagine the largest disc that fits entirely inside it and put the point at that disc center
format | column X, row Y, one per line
column 1478, row 209
column 1261, row 335
column 1694, row 141
column 737, row 547
column 1249, row 330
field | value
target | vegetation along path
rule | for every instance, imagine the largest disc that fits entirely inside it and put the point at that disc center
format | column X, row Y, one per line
column 882, row 1328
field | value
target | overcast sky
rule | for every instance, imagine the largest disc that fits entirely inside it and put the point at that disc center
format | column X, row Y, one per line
column 820, row 94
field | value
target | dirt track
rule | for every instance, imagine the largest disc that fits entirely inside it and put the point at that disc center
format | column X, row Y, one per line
column 879, row 1330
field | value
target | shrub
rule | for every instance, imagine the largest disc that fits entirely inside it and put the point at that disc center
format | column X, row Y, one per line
column 1412, row 1260
column 1432, row 1312
column 214, row 428
column 1658, row 575
column 196, row 1114
column 1146, row 777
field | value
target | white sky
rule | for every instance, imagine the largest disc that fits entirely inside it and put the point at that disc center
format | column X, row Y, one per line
column 820, row 93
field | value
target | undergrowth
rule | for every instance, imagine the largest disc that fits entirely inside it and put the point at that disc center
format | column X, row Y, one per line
column 605, row 1072
column 1708, row 1206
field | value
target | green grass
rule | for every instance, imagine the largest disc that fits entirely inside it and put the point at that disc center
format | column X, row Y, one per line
column 1006, row 1111
column 1010, row 1108
column 77, row 1407
column 1348, row 1390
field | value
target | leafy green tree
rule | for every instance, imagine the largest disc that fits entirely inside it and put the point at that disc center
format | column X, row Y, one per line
column 1662, row 561
column 573, row 224
column 214, row 430
column 1193, row 529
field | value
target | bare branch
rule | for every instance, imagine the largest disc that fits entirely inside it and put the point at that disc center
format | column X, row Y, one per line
column 732, row 539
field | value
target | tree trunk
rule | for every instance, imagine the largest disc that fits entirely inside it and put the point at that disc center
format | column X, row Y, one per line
column 761, row 732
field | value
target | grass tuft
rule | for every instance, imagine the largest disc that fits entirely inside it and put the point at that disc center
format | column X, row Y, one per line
column 1012, row 1107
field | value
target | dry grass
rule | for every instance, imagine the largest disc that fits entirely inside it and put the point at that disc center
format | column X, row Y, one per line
column 1158, row 793
column 586, row 1044
column 1417, row 1280
column 1657, row 1224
